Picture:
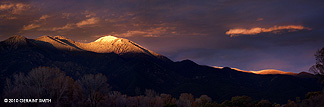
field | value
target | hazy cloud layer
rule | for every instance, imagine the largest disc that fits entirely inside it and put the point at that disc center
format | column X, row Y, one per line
column 258, row 30
column 44, row 17
column 184, row 29
column 90, row 21
column 65, row 27
column 153, row 32
column 31, row 26
column 14, row 8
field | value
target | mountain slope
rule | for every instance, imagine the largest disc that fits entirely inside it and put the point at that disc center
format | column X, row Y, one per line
column 129, row 66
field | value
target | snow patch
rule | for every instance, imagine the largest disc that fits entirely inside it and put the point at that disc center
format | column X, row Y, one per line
column 106, row 39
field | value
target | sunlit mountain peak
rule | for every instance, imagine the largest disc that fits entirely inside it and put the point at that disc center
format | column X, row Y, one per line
column 105, row 44
column 106, row 39
column 262, row 72
column 273, row 71
column 17, row 39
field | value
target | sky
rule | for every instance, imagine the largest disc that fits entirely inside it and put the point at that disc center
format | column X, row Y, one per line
column 244, row 34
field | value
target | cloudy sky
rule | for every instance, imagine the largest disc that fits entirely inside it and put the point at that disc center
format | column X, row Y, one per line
column 250, row 35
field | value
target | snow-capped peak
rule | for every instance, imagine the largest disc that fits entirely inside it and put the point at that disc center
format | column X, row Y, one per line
column 105, row 44
column 106, row 39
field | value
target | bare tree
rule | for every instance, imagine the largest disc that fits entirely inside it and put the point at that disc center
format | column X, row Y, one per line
column 318, row 68
column 150, row 93
column 41, row 82
column 185, row 100
column 94, row 88
column 203, row 100
column 264, row 103
column 167, row 99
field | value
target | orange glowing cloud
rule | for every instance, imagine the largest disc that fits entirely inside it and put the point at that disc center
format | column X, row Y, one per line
column 263, row 72
column 31, row 26
column 257, row 30
column 153, row 32
column 89, row 21
column 44, row 17
column 69, row 26
column 14, row 8
column 259, row 19
column 66, row 27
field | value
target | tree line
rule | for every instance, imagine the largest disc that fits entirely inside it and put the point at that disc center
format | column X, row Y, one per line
column 93, row 90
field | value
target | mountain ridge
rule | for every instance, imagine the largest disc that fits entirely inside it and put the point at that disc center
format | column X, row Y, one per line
column 129, row 71
column 109, row 44
column 106, row 41
column 105, row 44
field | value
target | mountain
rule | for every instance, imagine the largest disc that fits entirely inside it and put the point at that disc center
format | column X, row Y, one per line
column 106, row 44
column 129, row 67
